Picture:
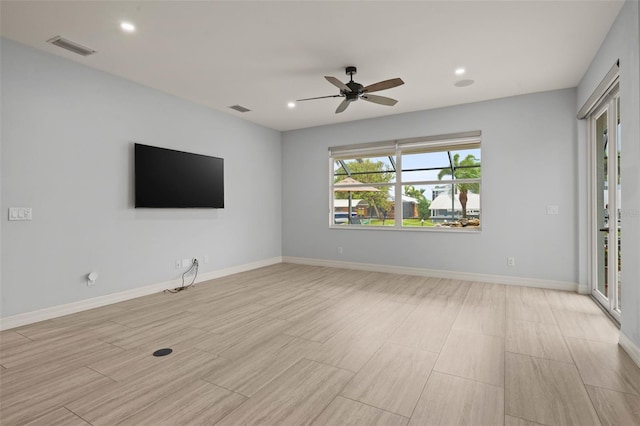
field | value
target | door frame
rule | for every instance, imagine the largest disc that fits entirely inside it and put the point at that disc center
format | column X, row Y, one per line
column 608, row 102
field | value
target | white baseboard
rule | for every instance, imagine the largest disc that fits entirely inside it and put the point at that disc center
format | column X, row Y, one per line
column 95, row 302
column 239, row 268
column 630, row 348
column 584, row 289
column 437, row 273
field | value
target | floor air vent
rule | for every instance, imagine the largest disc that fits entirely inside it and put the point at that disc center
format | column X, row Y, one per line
column 162, row 352
column 71, row 46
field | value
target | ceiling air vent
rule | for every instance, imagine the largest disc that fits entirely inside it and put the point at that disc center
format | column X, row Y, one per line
column 71, row 46
column 240, row 108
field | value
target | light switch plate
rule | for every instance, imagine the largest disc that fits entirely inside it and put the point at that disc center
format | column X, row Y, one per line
column 20, row 213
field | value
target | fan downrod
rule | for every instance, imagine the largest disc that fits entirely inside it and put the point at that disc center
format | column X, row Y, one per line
column 356, row 88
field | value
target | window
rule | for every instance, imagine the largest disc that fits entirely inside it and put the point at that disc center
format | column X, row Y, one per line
column 437, row 178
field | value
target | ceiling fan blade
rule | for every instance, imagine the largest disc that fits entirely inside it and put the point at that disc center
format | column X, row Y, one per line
column 340, row 85
column 343, row 105
column 382, row 100
column 319, row 97
column 383, row 85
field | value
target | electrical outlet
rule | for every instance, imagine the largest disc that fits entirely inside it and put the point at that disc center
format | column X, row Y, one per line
column 340, row 250
column 552, row 209
column 186, row 263
column 92, row 278
column 511, row 261
column 178, row 264
column 205, row 258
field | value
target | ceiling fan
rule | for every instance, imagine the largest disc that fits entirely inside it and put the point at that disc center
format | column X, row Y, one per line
column 353, row 91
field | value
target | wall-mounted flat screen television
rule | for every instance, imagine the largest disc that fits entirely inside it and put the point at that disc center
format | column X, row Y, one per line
column 165, row 178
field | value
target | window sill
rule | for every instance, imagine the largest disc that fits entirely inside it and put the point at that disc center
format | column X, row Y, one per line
column 465, row 230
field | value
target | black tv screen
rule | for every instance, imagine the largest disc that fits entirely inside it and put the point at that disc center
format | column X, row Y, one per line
column 165, row 178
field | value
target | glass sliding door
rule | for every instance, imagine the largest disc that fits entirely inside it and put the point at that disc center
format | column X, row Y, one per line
column 602, row 204
column 607, row 203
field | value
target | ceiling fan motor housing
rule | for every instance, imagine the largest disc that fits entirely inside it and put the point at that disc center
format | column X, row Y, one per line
column 356, row 91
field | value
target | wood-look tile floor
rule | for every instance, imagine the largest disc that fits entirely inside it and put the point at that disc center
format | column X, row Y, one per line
column 297, row 345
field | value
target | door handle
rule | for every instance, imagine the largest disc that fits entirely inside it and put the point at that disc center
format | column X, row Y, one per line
column 604, row 229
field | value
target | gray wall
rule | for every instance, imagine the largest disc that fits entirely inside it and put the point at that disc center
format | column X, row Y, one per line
column 67, row 151
column 621, row 43
column 528, row 162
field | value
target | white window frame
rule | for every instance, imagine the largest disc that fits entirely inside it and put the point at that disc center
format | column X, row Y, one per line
column 396, row 148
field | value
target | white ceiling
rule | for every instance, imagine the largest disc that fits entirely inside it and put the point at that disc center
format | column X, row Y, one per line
column 263, row 54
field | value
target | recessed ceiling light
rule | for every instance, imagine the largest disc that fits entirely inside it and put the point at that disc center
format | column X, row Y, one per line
column 291, row 105
column 460, row 71
column 127, row 27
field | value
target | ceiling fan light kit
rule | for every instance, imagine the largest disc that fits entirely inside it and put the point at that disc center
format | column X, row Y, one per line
column 352, row 91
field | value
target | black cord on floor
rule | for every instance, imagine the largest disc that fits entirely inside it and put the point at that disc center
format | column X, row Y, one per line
column 194, row 265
